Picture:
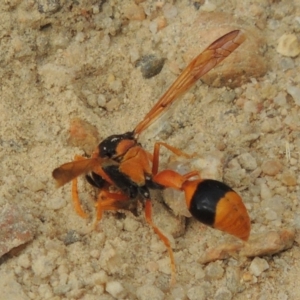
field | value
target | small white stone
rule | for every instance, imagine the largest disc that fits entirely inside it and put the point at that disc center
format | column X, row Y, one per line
column 208, row 6
column 99, row 278
column 214, row 271
column 294, row 91
column 271, row 215
column 33, row 184
column 280, row 99
column 134, row 54
column 164, row 265
column 56, row 203
column 169, row 11
column 131, row 225
column 196, row 293
column 45, row 291
column 95, row 9
column 115, row 288
column 258, row 265
column 149, row 292
column 288, row 45
column 247, row 161
column 80, row 36
column 24, row 261
column 95, row 253
column 101, row 101
column 43, row 266
column 92, row 100
column 265, row 191
column 250, row 107
column 223, row 293
column 153, row 27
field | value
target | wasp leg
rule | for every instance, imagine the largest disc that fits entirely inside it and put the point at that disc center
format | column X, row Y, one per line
column 172, row 179
column 76, row 201
column 148, row 217
column 110, row 201
column 75, row 197
column 176, row 151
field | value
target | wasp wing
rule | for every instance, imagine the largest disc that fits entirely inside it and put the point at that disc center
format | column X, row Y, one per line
column 199, row 66
column 71, row 170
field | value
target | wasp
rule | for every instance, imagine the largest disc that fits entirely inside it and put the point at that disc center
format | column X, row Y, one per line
column 125, row 172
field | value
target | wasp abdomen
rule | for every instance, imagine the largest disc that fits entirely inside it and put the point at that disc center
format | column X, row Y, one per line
column 216, row 204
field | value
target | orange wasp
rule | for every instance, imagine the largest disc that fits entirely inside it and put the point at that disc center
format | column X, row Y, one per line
column 120, row 162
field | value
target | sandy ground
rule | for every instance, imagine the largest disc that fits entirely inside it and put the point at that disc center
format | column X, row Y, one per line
column 62, row 60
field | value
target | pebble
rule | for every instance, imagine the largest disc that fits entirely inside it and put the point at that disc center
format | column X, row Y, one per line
column 289, row 178
column 116, row 86
column 164, row 265
column 271, row 215
column 282, row 296
column 196, row 293
column 265, row 191
column 48, row 7
column 101, row 100
column 99, row 278
column 110, row 259
column 113, row 104
column 223, row 293
column 24, row 261
column 153, row 27
column 276, row 203
column 33, row 183
column 294, row 91
column 56, row 203
column 131, row 225
column 280, row 99
column 266, row 243
column 45, row 291
column 208, row 6
column 149, row 292
column 178, row 293
column 247, row 277
column 258, row 265
column 287, row 63
column 71, row 237
column 43, row 266
column 297, row 224
column 233, row 279
column 91, row 100
column 134, row 55
column 134, row 12
column 161, row 23
column 214, row 271
column 244, row 60
column 15, row 230
column 247, row 161
column 172, row 226
column 150, row 65
column 10, row 288
column 269, row 243
column 115, row 289
column 288, row 45
column 169, row 11
column 176, row 201
column 271, row 167
column 250, row 107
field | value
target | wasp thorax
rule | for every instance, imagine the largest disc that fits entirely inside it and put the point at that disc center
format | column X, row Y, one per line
column 116, row 145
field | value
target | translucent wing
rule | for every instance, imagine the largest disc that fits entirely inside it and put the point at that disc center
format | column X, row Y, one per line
column 199, row 66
